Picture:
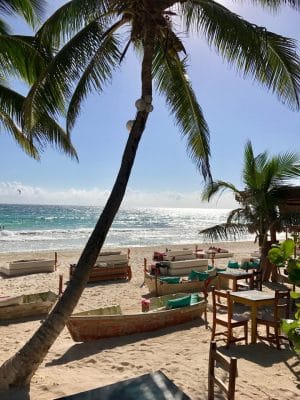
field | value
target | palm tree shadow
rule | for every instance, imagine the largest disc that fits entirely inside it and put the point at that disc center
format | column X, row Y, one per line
column 82, row 350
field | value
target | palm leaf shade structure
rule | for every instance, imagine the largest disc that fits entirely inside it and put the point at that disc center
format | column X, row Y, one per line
column 92, row 38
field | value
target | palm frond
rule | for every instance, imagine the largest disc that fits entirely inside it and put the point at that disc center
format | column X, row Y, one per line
column 224, row 231
column 30, row 10
column 72, row 17
column 269, row 58
column 212, row 188
column 45, row 130
column 11, row 103
column 54, row 85
column 22, row 140
column 96, row 74
column 19, row 58
column 170, row 78
column 275, row 5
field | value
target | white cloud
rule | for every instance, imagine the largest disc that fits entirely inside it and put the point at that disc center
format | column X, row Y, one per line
column 16, row 192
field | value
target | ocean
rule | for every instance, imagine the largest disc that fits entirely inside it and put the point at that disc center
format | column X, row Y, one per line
column 48, row 227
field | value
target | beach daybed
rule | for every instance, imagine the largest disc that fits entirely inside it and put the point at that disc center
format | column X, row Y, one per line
column 26, row 267
column 174, row 255
column 26, row 305
column 182, row 267
column 110, row 265
column 217, row 252
column 173, row 309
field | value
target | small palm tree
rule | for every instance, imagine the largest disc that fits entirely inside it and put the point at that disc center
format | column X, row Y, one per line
column 259, row 213
column 92, row 38
column 23, row 58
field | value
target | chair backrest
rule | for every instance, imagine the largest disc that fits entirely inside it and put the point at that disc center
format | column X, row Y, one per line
column 227, row 364
column 282, row 304
column 218, row 305
column 257, row 279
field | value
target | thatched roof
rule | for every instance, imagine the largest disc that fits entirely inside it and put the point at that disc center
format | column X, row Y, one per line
column 290, row 199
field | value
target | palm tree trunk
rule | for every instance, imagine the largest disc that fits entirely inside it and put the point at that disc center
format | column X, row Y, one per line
column 16, row 373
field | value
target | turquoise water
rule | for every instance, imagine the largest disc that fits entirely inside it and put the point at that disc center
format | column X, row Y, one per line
column 41, row 227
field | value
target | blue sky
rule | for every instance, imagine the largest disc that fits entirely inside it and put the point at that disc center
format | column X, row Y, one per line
column 163, row 175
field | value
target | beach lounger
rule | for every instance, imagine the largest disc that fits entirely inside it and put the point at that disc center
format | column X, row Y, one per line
column 109, row 266
column 182, row 267
column 217, row 252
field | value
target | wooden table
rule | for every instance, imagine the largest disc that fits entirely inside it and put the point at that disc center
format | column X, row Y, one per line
column 253, row 299
column 234, row 275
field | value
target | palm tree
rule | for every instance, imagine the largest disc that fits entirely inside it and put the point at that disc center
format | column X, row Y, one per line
column 263, row 177
column 23, row 58
column 92, row 38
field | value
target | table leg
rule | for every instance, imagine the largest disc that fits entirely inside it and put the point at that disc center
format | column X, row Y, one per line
column 253, row 323
column 234, row 284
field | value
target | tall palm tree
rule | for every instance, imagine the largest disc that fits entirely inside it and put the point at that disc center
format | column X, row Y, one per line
column 92, row 38
column 22, row 57
column 263, row 177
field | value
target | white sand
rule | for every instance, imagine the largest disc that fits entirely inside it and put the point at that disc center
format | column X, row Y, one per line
column 180, row 352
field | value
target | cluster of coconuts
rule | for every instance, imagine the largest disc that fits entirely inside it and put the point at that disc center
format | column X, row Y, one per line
column 141, row 105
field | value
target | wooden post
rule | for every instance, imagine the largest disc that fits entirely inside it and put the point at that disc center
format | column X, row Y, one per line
column 60, row 285
column 55, row 260
column 156, row 288
column 213, row 259
column 128, row 254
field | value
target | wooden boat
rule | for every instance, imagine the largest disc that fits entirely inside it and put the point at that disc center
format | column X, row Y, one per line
column 26, row 305
column 158, row 287
column 110, row 322
column 110, row 265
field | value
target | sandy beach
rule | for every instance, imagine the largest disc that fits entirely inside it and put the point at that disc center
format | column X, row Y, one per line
column 180, row 352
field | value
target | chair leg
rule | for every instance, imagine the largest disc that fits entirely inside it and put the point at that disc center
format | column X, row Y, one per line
column 229, row 337
column 277, row 339
column 246, row 333
column 213, row 331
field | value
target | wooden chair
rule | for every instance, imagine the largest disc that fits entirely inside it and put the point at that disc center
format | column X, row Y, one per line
column 254, row 283
column 227, row 364
column 226, row 319
column 257, row 279
column 272, row 320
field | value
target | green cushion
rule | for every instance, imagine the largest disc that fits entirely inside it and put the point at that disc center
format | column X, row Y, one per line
column 245, row 265
column 170, row 279
column 233, row 264
column 220, row 269
column 200, row 276
column 195, row 298
column 254, row 264
column 210, row 267
column 180, row 302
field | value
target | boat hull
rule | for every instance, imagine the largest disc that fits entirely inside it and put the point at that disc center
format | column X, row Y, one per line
column 31, row 305
column 87, row 328
column 158, row 288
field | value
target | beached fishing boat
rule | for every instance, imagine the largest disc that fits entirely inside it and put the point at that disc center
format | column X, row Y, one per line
column 26, row 305
column 110, row 322
column 160, row 286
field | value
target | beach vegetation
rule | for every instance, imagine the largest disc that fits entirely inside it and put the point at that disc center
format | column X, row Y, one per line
column 283, row 256
column 23, row 59
column 88, row 42
column 263, row 176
